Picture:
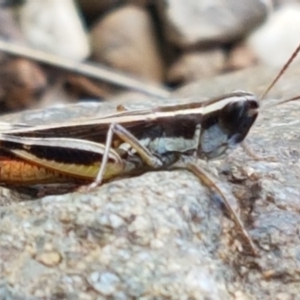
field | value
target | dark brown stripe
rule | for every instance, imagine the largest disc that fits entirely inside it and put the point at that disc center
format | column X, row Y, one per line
column 57, row 154
column 177, row 126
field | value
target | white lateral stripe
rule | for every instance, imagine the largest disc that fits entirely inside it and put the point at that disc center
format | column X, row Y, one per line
column 148, row 114
column 155, row 115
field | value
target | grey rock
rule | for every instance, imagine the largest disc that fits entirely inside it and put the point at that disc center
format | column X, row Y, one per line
column 279, row 32
column 192, row 22
column 55, row 27
column 279, row 3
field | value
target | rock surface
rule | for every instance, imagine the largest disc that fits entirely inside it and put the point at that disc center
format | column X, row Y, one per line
column 160, row 235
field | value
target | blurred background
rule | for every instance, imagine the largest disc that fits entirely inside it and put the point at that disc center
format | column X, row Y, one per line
column 165, row 44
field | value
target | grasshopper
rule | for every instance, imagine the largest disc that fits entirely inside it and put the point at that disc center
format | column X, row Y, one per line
column 130, row 143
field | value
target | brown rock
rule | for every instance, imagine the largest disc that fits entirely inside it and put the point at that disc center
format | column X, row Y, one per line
column 198, row 21
column 196, row 65
column 21, row 82
column 125, row 40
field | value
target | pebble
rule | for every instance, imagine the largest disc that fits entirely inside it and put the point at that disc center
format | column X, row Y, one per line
column 115, row 221
column 105, row 283
column 50, row 258
column 22, row 81
column 55, row 26
column 193, row 22
column 126, row 45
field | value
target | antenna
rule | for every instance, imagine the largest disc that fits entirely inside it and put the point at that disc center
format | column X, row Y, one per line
column 282, row 102
column 283, row 69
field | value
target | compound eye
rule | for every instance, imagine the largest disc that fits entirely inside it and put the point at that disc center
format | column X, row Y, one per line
column 238, row 117
column 252, row 104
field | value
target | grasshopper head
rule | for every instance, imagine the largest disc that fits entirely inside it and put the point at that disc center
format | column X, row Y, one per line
column 226, row 127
